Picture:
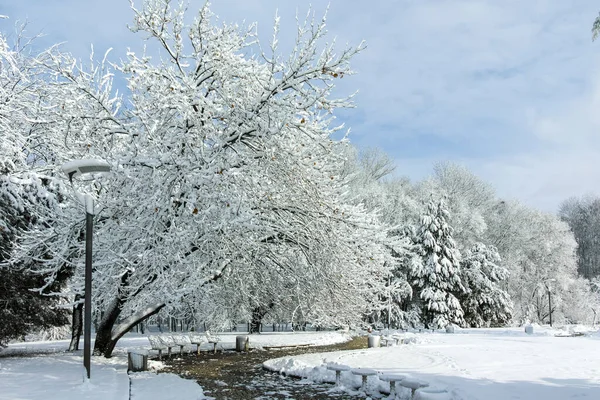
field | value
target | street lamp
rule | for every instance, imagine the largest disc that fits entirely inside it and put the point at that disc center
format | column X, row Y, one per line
column 73, row 169
column 546, row 283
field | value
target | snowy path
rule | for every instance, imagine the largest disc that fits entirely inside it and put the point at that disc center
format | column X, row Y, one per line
column 479, row 366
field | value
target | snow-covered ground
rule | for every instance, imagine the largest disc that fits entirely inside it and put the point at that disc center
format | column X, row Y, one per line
column 54, row 374
column 474, row 364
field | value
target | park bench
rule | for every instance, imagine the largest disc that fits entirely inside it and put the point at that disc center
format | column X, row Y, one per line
column 157, row 344
column 338, row 368
column 197, row 339
column 389, row 340
column 392, row 379
column 364, row 373
column 182, row 341
column 169, row 343
column 413, row 385
column 214, row 340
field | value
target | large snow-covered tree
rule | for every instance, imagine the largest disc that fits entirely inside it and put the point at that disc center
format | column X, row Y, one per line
column 437, row 279
column 536, row 248
column 28, row 194
column 485, row 303
column 223, row 161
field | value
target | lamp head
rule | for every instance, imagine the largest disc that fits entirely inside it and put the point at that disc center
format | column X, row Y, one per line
column 78, row 167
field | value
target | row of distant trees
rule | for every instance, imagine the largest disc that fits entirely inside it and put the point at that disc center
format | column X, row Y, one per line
column 230, row 199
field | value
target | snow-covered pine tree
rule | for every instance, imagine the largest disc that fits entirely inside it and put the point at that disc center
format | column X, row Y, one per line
column 437, row 280
column 484, row 303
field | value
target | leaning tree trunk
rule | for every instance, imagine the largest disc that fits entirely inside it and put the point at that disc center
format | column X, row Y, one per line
column 109, row 333
column 76, row 324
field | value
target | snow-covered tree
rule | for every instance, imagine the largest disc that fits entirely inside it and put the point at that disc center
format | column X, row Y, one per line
column 536, row 248
column 468, row 198
column 437, row 279
column 583, row 217
column 223, row 161
column 484, row 303
column 28, row 195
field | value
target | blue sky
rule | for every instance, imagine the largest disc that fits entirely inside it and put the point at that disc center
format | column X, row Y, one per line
column 511, row 89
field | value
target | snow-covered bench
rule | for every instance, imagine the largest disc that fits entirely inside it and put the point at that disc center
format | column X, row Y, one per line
column 181, row 341
column 338, row 368
column 168, row 342
column 197, row 339
column 388, row 340
column 365, row 373
column 214, row 340
column 413, row 385
column 157, row 344
column 392, row 379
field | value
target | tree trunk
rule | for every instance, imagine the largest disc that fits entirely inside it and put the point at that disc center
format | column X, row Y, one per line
column 104, row 331
column 76, row 324
column 258, row 313
column 108, row 334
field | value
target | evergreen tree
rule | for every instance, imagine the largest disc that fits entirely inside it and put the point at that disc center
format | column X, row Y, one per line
column 484, row 303
column 437, row 280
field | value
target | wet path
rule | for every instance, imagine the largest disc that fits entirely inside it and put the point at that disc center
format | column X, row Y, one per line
column 240, row 376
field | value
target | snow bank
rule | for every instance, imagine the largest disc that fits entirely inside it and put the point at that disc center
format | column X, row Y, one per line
column 473, row 364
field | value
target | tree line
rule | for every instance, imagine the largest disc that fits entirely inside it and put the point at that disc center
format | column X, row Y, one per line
column 231, row 201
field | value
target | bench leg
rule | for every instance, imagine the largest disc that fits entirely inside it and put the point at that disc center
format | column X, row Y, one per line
column 169, row 352
column 215, row 349
column 159, row 355
column 363, row 387
column 337, row 378
column 393, row 389
column 198, row 349
column 180, row 350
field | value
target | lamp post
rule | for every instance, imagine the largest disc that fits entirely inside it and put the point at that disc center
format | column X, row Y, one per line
column 546, row 283
column 73, row 169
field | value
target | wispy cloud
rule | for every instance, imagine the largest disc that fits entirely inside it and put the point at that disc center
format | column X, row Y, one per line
column 510, row 88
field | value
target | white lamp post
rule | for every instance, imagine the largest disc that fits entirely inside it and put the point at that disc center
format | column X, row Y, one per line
column 73, row 169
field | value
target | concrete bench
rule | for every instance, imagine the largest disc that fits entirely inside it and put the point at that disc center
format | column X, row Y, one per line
column 392, row 379
column 182, row 341
column 413, row 385
column 388, row 340
column 214, row 340
column 197, row 339
column 365, row 373
column 338, row 368
column 157, row 344
column 168, row 342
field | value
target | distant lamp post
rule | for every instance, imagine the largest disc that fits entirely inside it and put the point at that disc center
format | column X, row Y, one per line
column 73, row 169
column 547, row 283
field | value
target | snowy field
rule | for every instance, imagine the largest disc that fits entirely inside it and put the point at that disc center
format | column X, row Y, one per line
column 474, row 364
column 54, row 374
